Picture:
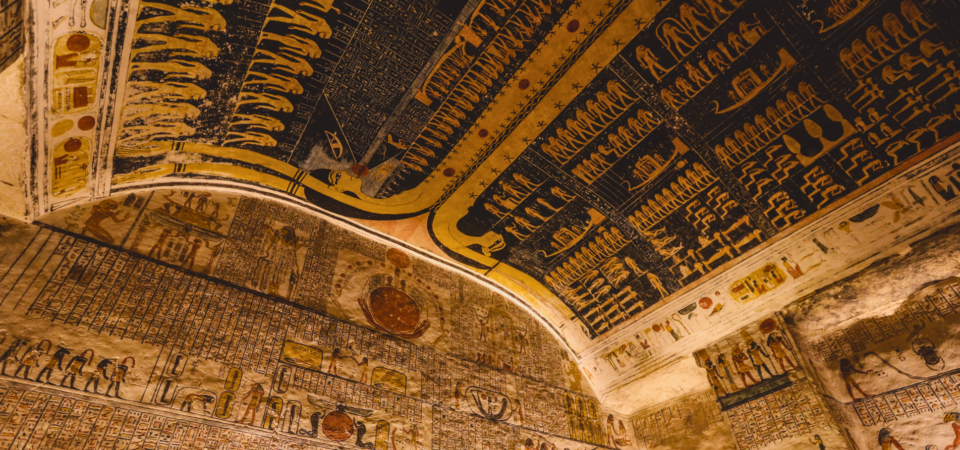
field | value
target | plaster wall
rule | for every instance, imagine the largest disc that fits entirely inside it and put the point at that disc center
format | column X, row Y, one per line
column 13, row 142
column 195, row 318
column 871, row 363
column 884, row 343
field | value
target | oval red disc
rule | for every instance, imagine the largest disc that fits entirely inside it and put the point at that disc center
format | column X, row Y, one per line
column 360, row 170
column 72, row 145
column 86, row 122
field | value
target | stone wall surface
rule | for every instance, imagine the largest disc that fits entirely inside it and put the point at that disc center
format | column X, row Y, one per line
column 173, row 319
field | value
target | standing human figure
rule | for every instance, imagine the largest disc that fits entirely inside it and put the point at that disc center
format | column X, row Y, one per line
column 55, row 361
column 120, row 376
column 722, row 364
column 255, row 394
column 714, row 376
column 158, row 246
column 75, row 367
column 779, row 347
column 362, row 366
column 30, row 359
column 740, row 362
column 11, row 354
column 846, row 372
column 757, row 356
column 99, row 373
column 334, row 362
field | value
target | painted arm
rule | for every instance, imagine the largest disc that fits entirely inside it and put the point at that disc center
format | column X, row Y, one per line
column 116, row 220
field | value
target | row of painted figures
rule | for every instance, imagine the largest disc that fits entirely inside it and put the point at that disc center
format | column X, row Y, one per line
column 108, row 370
column 746, row 361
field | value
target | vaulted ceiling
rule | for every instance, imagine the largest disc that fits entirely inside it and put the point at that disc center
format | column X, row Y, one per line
column 602, row 159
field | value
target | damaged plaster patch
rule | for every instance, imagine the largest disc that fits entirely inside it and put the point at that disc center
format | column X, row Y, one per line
column 675, row 380
column 881, row 288
column 12, row 141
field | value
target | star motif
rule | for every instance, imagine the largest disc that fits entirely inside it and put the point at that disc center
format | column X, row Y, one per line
column 483, row 183
column 596, row 67
column 551, row 33
column 555, row 65
column 576, row 87
column 472, row 195
column 593, row 23
column 639, row 23
column 508, row 158
column 617, row 43
column 495, row 170
column 558, row 105
column 537, row 51
column 541, row 124
column 609, row 4
column 526, row 140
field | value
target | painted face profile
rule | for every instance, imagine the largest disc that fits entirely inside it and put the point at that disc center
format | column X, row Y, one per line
column 346, row 182
column 334, row 179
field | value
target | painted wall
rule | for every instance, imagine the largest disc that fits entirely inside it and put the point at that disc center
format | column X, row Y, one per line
column 757, row 391
column 884, row 342
column 179, row 317
column 13, row 142
column 870, row 361
column 760, row 395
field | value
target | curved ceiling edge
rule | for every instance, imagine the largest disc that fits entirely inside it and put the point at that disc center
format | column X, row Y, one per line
column 372, row 234
column 607, row 157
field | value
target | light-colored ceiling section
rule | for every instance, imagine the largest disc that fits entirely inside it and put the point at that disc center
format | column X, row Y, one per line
column 13, row 142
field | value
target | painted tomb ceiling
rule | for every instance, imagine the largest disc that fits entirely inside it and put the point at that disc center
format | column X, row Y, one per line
column 611, row 162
